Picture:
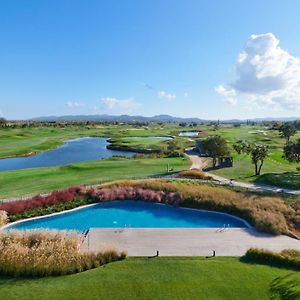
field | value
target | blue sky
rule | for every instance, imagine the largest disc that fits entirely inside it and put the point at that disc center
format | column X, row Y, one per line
column 150, row 57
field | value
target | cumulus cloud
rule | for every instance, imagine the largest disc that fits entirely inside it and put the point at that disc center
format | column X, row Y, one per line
column 74, row 104
column 112, row 103
column 266, row 75
column 166, row 96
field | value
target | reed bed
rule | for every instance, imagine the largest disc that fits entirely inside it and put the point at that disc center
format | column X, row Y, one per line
column 194, row 174
column 3, row 218
column 47, row 253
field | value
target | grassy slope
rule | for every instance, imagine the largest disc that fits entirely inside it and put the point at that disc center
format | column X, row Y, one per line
column 162, row 278
column 33, row 181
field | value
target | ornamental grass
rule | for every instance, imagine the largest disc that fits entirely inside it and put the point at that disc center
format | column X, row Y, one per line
column 47, row 253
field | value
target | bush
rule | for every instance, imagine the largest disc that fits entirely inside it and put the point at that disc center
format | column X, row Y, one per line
column 286, row 258
column 47, row 253
column 194, row 174
column 64, row 196
column 3, row 218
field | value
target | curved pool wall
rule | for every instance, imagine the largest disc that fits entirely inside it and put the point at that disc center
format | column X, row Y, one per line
column 72, row 151
column 130, row 214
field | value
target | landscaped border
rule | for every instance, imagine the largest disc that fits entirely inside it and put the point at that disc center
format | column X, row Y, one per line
column 266, row 214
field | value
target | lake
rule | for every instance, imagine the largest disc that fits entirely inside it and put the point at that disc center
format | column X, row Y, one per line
column 189, row 133
column 77, row 150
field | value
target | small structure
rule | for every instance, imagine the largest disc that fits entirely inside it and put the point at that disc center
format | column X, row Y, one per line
column 198, row 148
column 225, row 162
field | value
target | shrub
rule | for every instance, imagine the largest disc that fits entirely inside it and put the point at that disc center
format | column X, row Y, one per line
column 286, row 258
column 3, row 218
column 194, row 174
column 47, row 253
column 19, row 206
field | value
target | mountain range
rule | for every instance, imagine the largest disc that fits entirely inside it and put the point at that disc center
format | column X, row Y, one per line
column 158, row 118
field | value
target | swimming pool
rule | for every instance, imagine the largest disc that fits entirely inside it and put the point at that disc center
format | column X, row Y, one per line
column 132, row 214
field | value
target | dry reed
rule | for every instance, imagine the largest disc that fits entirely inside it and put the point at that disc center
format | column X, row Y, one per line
column 39, row 253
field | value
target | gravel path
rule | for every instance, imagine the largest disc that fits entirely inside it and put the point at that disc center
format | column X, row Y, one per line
column 200, row 163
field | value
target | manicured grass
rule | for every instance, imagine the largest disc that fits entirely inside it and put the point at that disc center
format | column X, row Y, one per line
column 289, row 180
column 157, row 278
column 41, row 180
column 139, row 143
column 24, row 141
column 243, row 169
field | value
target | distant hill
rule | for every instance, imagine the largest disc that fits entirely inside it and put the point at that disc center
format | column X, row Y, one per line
column 121, row 118
column 158, row 118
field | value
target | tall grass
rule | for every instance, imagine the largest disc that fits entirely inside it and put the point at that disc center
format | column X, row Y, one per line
column 47, row 253
column 3, row 218
column 193, row 174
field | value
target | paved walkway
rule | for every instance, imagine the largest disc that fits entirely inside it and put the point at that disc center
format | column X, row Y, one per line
column 200, row 163
column 185, row 241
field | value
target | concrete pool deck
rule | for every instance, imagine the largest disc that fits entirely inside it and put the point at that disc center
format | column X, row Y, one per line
column 185, row 241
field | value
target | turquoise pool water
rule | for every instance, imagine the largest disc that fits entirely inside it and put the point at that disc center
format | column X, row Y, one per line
column 134, row 214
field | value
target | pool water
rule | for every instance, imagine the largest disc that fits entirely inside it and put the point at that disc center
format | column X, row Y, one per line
column 134, row 214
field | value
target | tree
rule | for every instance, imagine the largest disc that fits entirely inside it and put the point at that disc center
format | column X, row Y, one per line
column 215, row 147
column 292, row 151
column 258, row 153
column 3, row 122
column 287, row 130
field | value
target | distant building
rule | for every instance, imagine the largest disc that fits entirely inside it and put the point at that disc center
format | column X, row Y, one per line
column 223, row 162
column 198, row 148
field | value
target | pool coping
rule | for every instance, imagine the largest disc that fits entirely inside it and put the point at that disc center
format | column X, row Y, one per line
column 7, row 226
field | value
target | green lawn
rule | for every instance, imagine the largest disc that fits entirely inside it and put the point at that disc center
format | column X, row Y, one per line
column 275, row 167
column 138, row 143
column 15, row 142
column 23, row 141
column 32, row 181
column 157, row 278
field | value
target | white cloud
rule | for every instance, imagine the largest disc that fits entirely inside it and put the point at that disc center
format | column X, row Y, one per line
column 74, row 104
column 226, row 92
column 266, row 75
column 112, row 103
column 167, row 96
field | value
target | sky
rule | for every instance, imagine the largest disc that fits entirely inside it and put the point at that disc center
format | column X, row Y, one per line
column 211, row 59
